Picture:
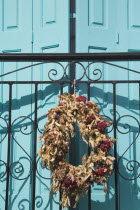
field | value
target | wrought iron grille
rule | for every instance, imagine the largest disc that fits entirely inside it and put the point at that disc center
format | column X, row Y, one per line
column 64, row 74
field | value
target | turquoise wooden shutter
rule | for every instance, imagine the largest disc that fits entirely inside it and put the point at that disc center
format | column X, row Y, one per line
column 113, row 26
column 50, row 35
column 128, row 104
column 50, row 28
column 29, row 27
column 15, row 37
column 96, row 26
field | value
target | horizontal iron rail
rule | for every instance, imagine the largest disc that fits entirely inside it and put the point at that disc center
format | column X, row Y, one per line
column 26, row 57
column 70, row 82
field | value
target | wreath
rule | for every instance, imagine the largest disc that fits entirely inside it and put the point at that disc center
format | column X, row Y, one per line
column 96, row 168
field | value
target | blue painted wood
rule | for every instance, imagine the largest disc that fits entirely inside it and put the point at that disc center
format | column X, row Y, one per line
column 113, row 26
column 16, row 37
column 50, row 36
column 44, row 29
column 129, row 41
column 102, row 26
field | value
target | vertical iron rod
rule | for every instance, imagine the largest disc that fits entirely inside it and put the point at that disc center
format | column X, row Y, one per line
column 72, row 27
column 34, row 150
column 72, row 150
column 89, row 191
column 115, row 147
column 61, row 88
column 9, row 149
column 72, row 77
column 139, row 100
column 61, row 92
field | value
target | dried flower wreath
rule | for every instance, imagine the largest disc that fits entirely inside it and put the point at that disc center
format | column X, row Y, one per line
column 68, row 179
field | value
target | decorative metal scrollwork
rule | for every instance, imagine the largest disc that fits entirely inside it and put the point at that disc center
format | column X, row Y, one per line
column 17, row 169
column 128, row 129
column 39, row 201
column 2, row 174
column 56, row 72
column 24, row 204
column 43, row 177
column 95, row 72
column 64, row 75
column 4, row 128
column 86, row 72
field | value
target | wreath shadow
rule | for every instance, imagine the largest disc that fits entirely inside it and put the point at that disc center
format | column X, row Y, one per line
column 129, row 195
column 109, row 199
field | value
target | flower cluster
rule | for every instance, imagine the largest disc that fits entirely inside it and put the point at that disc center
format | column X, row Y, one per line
column 89, row 104
column 81, row 98
column 90, row 118
column 71, row 184
column 100, row 171
column 105, row 145
column 97, row 167
column 101, row 126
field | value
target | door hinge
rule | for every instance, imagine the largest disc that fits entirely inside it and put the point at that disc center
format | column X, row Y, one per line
column 72, row 15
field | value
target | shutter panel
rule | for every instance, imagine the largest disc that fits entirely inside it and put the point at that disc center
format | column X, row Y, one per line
column 16, row 37
column 113, row 26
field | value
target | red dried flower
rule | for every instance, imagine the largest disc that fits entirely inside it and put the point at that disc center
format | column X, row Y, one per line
column 101, row 126
column 100, row 171
column 73, row 186
column 90, row 119
column 105, row 145
column 67, row 182
column 89, row 104
column 81, row 98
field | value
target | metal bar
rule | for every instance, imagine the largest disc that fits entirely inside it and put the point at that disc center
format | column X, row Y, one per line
column 9, row 149
column 73, row 143
column 115, row 147
column 61, row 88
column 112, row 56
column 61, row 92
column 139, row 101
column 89, row 192
column 72, row 28
column 34, row 150
column 72, row 78
column 69, row 82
